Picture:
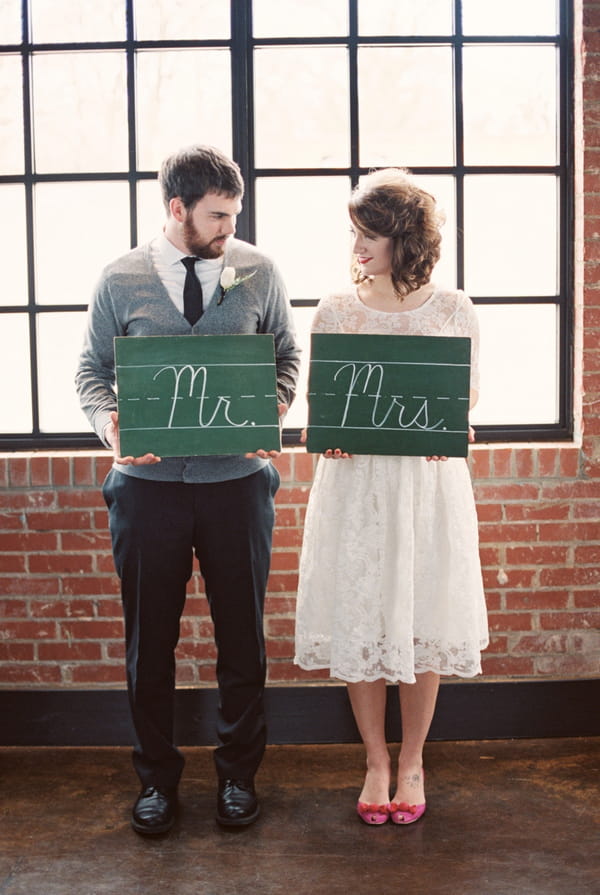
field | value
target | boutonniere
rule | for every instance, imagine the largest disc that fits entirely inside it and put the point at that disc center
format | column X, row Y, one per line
column 229, row 281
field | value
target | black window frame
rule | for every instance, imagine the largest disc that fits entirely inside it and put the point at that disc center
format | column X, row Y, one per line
column 242, row 45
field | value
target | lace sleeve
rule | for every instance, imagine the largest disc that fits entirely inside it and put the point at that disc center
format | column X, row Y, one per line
column 467, row 324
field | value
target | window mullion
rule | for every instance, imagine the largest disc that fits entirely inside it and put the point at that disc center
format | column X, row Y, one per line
column 242, row 110
column 459, row 145
column 29, row 212
column 353, row 85
column 131, row 120
column 566, row 217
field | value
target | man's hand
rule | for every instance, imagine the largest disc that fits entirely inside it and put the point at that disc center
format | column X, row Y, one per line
column 282, row 409
column 111, row 433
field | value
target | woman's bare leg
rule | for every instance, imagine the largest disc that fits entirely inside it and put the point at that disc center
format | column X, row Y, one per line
column 367, row 699
column 417, row 705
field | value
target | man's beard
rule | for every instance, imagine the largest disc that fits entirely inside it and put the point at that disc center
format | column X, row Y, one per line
column 213, row 249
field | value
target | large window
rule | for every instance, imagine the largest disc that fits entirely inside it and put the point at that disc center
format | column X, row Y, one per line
column 307, row 95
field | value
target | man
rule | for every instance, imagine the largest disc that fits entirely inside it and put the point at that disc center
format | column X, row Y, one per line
column 219, row 508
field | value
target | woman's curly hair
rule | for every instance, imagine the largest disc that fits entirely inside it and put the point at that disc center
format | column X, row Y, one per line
column 389, row 203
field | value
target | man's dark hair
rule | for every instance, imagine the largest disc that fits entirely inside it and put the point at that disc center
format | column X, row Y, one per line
column 193, row 172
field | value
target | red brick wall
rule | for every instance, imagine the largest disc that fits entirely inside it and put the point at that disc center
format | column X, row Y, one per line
column 539, row 511
column 61, row 614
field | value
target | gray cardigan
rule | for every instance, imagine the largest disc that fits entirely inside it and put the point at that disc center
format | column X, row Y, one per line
column 131, row 300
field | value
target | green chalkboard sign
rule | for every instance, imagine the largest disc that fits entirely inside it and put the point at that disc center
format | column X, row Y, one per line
column 376, row 394
column 192, row 395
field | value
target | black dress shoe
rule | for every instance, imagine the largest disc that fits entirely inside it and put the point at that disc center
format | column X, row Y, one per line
column 237, row 805
column 154, row 811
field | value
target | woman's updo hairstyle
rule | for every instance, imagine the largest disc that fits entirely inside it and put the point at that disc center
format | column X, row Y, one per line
column 389, row 203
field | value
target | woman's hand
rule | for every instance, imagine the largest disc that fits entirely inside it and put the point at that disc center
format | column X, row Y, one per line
column 330, row 453
column 336, row 454
column 470, row 438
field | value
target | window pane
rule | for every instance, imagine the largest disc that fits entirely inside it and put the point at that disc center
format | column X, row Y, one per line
column 301, row 107
column 94, row 238
column 181, row 19
column 405, row 17
column 444, row 192
column 13, row 246
column 297, row 417
column 59, row 341
column 10, row 21
column 151, row 212
column 417, row 127
column 80, row 112
column 511, row 235
column 183, row 97
column 510, row 105
column 303, row 224
column 519, row 374
column 509, row 17
column 65, row 21
column 11, row 116
column 299, row 18
column 14, row 368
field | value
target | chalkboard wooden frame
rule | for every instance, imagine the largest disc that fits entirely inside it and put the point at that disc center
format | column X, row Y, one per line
column 196, row 395
column 388, row 394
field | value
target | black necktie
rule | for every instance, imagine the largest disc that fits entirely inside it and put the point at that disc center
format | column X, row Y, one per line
column 192, row 292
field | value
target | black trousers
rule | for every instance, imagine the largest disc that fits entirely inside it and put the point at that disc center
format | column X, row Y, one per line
column 156, row 528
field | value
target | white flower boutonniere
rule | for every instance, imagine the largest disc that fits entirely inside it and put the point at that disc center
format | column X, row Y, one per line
column 229, row 281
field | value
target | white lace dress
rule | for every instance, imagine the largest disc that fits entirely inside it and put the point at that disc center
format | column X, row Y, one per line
column 390, row 579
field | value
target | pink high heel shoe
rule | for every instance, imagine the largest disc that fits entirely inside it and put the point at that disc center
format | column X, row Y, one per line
column 373, row 814
column 404, row 813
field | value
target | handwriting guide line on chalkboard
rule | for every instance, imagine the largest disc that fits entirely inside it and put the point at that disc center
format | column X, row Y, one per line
column 420, row 429
column 183, row 428
column 199, row 398
column 186, row 366
column 395, row 363
column 375, row 395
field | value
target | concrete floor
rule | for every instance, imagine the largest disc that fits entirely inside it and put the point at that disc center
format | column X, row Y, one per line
column 503, row 817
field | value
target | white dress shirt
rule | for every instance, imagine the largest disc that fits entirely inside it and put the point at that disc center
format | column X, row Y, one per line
column 167, row 260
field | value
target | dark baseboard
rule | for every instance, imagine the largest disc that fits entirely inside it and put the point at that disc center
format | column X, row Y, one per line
column 309, row 714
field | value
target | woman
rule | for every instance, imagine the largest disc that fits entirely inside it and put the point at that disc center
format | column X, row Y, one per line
column 390, row 580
